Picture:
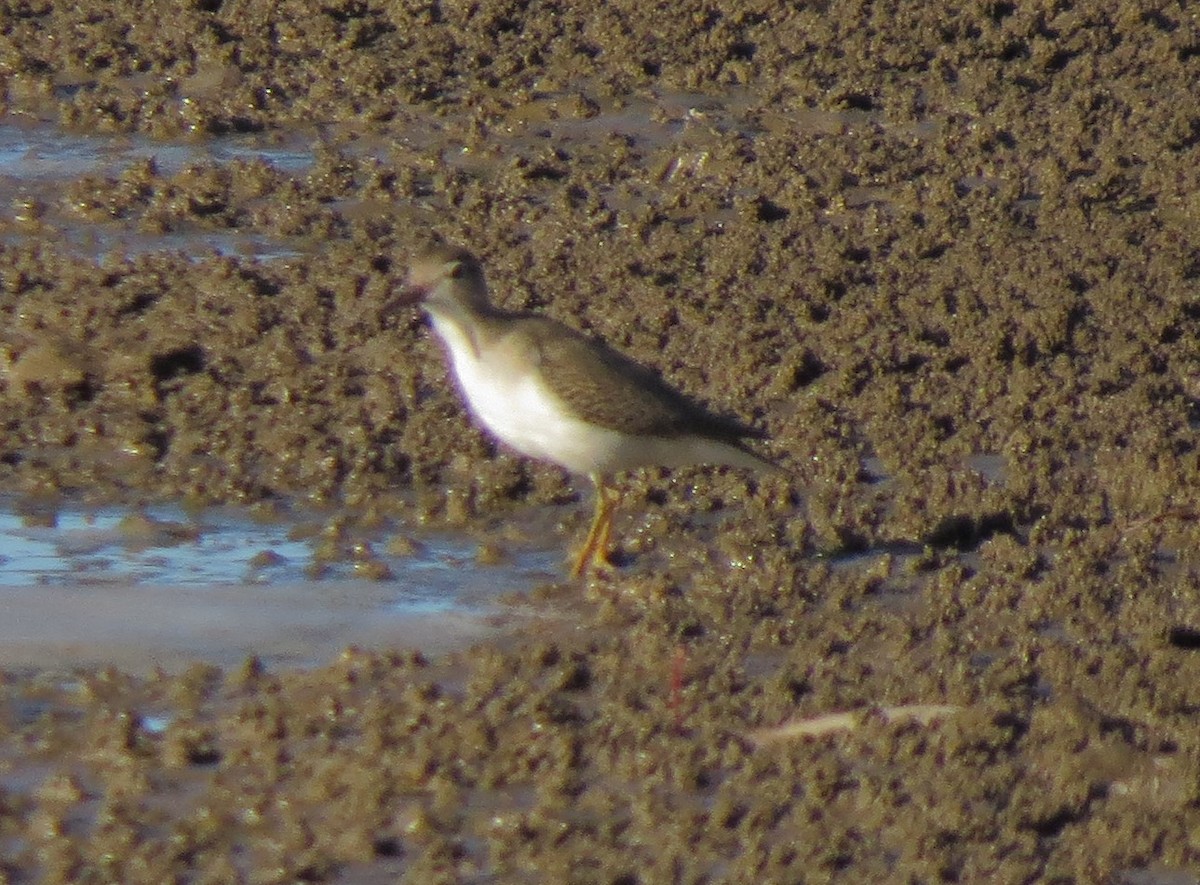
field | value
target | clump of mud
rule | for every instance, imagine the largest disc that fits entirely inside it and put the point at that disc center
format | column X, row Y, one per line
column 945, row 257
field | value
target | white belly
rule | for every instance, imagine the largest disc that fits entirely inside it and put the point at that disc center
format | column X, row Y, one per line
column 506, row 395
column 513, row 404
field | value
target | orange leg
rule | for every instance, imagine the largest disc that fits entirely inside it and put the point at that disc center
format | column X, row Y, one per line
column 595, row 547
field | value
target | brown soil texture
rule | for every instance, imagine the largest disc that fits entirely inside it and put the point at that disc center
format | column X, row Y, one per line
column 946, row 257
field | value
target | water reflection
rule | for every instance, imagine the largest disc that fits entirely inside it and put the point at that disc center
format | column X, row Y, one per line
column 159, row 585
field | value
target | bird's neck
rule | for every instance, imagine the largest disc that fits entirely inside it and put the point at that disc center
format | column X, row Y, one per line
column 466, row 327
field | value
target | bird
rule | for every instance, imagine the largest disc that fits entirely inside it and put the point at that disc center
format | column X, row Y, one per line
column 552, row 393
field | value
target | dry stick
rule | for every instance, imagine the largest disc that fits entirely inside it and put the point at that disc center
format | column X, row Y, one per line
column 828, row 723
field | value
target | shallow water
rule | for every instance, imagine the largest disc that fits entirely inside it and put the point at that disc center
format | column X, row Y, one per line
column 160, row 586
column 31, row 151
column 38, row 161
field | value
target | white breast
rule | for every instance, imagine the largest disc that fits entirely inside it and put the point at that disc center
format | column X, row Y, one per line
column 507, row 397
column 505, row 393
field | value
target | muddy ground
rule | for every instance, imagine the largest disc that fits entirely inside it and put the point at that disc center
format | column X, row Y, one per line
column 948, row 259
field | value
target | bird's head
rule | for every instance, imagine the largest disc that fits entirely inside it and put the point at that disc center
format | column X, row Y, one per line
column 443, row 279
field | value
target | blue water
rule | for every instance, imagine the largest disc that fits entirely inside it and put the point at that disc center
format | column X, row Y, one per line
column 154, row 586
column 31, row 151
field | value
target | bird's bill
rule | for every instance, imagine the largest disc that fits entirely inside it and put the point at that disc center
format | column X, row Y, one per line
column 408, row 296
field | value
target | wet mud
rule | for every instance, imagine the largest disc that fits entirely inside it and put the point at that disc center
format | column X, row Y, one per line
column 946, row 258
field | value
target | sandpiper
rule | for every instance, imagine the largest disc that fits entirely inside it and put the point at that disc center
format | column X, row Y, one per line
column 554, row 394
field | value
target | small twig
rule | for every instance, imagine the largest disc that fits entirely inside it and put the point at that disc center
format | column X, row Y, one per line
column 828, row 723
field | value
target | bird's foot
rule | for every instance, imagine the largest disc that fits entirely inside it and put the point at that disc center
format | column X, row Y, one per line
column 594, row 552
column 592, row 557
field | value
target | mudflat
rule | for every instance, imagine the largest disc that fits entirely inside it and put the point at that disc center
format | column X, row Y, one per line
column 947, row 258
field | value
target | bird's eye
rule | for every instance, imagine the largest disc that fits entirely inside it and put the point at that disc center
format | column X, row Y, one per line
column 456, row 272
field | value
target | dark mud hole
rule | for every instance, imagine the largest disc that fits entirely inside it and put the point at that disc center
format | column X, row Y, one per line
column 917, row 239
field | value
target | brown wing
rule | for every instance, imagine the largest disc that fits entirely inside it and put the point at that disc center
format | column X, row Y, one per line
column 607, row 388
